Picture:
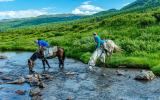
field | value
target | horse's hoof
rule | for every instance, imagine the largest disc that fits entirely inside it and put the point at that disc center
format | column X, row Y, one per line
column 31, row 72
column 91, row 69
column 61, row 68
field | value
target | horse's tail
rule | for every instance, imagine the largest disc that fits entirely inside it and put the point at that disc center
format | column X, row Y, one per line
column 117, row 48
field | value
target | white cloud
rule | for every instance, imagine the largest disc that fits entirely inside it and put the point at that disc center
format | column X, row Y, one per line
column 126, row 4
column 48, row 8
column 23, row 13
column 86, row 2
column 6, row 0
column 87, row 9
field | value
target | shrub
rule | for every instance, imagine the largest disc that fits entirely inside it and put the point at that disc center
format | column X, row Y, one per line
column 85, row 57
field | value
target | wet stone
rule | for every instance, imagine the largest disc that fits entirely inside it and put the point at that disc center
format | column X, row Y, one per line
column 6, row 78
column 21, row 92
column 3, row 57
column 18, row 81
column 42, row 85
column 34, row 80
column 37, row 98
column 119, row 73
column 145, row 75
column 34, row 92
column 47, row 77
column 70, row 73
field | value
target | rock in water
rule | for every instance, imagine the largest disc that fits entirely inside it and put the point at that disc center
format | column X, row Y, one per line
column 18, row 81
column 145, row 75
column 41, row 85
column 69, row 98
column 34, row 92
column 70, row 73
column 47, row 77
column 6, row 78
column 34, row 79
column 119, row 73
column 36, row 98
column 3, row 57
column 20, row 92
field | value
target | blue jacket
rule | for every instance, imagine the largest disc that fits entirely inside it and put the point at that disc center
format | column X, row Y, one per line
column 43, row 43
column 99, row 41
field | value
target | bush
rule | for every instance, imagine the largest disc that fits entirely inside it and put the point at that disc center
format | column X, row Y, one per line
column 156, row 69
column 146, row 21
column 85, row 57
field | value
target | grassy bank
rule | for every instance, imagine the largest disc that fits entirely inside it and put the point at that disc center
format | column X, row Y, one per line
column 138, row 34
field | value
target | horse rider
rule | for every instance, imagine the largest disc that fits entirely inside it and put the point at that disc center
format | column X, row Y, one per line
column 100, row 42
column 43, row 45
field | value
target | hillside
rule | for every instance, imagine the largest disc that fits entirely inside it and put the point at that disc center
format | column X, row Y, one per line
column 13, row 23
column 142, row 4
column 138, row 5
column 108, row 12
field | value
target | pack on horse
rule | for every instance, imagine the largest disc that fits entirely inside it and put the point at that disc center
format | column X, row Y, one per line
column 54, row 52
column 101, row 53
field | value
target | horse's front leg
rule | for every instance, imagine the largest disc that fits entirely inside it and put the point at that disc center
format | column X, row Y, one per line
column 60, row 63
column 43, row 61
column 63, row 64
column 47, row 63
column 103, row 59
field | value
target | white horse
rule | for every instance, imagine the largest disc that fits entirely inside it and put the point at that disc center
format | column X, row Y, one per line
column 101, row 54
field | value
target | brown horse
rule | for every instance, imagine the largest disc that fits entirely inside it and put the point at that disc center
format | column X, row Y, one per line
column 56, row 52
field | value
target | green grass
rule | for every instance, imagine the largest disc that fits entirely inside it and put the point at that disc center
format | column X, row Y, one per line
column 138, row 34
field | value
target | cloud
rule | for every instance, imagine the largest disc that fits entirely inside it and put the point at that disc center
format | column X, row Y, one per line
column 86, row 2
column 87, row 9
column 6, row 0
column 126, row 4
column 48, row 8
column 23, row 13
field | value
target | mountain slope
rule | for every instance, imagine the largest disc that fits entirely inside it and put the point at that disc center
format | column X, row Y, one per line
column 110, row 11
column 142, row 4
column 13, row 23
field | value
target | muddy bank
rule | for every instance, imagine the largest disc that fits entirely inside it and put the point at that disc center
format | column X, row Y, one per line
column 76, row 82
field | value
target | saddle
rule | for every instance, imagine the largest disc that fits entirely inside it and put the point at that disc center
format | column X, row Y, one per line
column 48, row 52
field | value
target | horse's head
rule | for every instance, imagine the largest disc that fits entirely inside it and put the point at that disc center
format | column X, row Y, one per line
column 30, row 64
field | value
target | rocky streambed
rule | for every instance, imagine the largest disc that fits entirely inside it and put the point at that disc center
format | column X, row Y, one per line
column 74, row 83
